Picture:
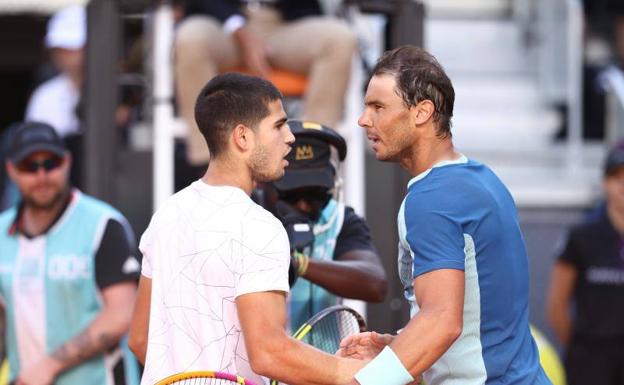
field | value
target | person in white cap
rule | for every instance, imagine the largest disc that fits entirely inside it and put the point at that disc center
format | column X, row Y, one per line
column 54, row 102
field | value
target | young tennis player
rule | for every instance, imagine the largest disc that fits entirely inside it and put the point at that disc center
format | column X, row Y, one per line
column 212, row 294
column 462, row 258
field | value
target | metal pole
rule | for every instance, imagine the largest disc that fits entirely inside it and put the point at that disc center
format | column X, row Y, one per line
column 354, row 165
column 100, row 139
column 575, row 86
column 163, row 108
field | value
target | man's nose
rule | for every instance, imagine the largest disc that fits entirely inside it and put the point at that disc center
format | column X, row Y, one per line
column 41, row 172
column 364, row 121
column 290, row 138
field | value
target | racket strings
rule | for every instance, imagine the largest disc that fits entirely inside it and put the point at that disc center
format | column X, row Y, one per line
column 203, row 380
column 327, row 333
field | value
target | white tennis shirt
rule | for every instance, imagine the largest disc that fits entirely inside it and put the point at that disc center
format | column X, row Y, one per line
column 206, row 246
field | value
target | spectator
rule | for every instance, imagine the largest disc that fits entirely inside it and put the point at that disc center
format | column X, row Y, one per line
column 221, row 34
column 338, row 254
column 67, row 271
column 55, row 101
column 589, row 274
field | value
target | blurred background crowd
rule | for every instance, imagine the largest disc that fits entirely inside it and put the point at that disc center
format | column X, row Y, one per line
column 540, row 99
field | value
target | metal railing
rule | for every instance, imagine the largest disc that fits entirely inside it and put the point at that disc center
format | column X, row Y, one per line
column 163, row 166
column 612, row 80
column 556, row 29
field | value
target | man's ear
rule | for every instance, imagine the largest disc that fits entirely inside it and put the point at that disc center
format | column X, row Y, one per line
column 423, row 111
column 10, row 169
column 68, row 159
column 242, row 137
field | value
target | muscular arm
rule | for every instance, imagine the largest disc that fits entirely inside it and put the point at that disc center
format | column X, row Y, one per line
column 440, row 296
column 272, row 353
column 562, row 282
column 355, row 261
column 139, row 327
column 344, row 276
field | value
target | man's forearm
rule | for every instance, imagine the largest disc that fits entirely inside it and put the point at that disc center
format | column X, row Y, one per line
column 296, row 363
column 100, row 336
column 344, row 278
column 434, row 332
column 559, row 318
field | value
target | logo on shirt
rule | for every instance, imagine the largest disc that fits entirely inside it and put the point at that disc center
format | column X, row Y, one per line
column 69, row 267
column 605, row 276
column 131, row 265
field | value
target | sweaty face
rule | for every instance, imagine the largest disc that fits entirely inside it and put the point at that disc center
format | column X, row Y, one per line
column 386, row 120
column 272, row 143
column 42, row 179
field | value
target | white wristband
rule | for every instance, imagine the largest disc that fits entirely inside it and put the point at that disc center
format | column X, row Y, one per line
column 385, row 369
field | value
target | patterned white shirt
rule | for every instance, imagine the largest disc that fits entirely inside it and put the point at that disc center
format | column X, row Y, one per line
column 206, row 246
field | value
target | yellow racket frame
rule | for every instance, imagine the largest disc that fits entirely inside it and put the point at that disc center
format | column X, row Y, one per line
column 202, row 374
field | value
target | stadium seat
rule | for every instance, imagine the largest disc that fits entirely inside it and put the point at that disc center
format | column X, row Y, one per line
column 290, row 84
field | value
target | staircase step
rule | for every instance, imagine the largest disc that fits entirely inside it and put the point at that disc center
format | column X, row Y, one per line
column 476, row 46
column 548, row 176
column 487, row 129
column 467, row 9
column 496, row 91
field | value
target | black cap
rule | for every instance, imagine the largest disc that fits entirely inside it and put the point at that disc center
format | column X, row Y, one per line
column 309, row 162
column 615, row 158
column 32, row 137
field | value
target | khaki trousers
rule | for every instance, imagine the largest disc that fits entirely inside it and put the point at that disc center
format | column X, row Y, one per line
column 320, row 47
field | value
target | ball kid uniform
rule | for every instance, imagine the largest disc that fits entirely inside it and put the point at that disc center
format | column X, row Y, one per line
column 51, row 285
column 596, row 350
column 459, row 215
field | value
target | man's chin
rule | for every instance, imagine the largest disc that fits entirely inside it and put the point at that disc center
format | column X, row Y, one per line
column 383, row 157
column 40, row 204
column 44, row 202
column 270, row 178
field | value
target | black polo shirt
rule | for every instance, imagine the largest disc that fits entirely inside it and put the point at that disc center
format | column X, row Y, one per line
column 596, row 250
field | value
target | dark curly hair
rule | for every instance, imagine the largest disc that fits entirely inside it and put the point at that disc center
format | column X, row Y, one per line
column 420, row 77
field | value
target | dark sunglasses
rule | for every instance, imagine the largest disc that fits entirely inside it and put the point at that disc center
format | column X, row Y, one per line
column 48, row 164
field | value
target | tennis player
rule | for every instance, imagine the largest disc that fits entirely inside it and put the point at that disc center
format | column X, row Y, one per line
column 212, row 294
column 462, row 258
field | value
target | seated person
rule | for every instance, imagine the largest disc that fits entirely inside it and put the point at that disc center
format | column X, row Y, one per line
column 218, row 35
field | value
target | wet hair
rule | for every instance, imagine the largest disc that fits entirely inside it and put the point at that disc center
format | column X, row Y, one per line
column 229, row 100
column 420, row 77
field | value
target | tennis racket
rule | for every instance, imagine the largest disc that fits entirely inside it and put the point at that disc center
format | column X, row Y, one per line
column 204, row 378
column 328, row 327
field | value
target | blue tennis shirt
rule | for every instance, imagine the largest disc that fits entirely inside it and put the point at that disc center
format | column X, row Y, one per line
column 459, row 215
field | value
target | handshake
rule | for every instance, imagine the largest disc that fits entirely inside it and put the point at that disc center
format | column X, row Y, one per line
column 368, row 346
column 299, row 229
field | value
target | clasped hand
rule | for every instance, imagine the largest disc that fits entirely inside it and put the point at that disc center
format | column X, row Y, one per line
column 364, row 346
